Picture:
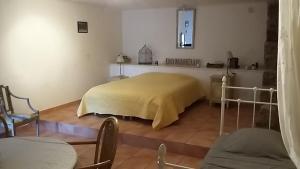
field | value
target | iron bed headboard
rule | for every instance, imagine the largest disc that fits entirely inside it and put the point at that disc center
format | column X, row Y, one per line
column 224, row 100
column 162, row 148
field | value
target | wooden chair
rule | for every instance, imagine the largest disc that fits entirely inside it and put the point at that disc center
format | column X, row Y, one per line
column 106, row 144
column 13, row 119
column 5, row 127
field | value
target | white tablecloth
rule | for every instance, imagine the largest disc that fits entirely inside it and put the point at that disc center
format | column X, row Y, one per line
column 36, row 153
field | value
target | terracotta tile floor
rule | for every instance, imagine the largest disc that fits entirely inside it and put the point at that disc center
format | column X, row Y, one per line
column 127, row 157
column 198, row 125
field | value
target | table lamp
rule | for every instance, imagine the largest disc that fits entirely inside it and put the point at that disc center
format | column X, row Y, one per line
column 120, row 60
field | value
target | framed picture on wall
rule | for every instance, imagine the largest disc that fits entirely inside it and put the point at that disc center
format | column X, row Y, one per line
column 82, row 27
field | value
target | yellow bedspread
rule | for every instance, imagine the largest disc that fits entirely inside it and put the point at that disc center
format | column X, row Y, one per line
column 160, row 97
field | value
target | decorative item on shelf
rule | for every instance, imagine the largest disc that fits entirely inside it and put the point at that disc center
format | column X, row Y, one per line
column 232, row 62
column 183, row 62
column 120, row 60
column 252, row 66
column 215, row 65
column 145, row 55
column 127, row 59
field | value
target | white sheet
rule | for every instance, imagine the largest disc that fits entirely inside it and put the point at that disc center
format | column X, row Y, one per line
column 289, row 76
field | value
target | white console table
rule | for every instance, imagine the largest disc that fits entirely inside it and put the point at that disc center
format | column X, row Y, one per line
column 246, row 78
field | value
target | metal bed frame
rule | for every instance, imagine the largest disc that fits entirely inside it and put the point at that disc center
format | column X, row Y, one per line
column 162, row 148
column 224, row 100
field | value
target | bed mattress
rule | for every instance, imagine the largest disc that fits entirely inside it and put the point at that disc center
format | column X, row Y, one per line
column 160, row 97
column 217, row 158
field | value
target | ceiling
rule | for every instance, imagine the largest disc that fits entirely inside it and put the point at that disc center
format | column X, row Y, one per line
column 138, row 4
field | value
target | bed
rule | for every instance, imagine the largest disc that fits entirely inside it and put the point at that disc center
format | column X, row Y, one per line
column 160, row 97
column 250, row 148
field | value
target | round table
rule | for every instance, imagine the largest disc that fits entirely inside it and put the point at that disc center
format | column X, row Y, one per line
column 36, row 153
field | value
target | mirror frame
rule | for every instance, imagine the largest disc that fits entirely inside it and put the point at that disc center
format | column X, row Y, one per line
column 194, row 26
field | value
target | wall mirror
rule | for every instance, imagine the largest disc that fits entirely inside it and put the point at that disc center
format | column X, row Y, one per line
column 185, row 28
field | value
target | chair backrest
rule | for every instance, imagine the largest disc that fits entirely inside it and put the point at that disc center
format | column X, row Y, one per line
column 6, row 97
column 107, row 140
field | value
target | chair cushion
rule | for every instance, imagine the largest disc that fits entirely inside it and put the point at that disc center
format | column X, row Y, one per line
column 24, row 116
column 20, row 119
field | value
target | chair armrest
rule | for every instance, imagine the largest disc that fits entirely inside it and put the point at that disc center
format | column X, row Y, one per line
column 82, row 142
column 28, row 102
column 96, row 166
column 5, row 126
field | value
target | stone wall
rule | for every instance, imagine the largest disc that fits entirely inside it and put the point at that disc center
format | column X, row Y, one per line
column 271, row 48
column 270, row 74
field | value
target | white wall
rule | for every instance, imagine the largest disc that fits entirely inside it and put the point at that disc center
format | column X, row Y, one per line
column 219, row 28
column 43, row 57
